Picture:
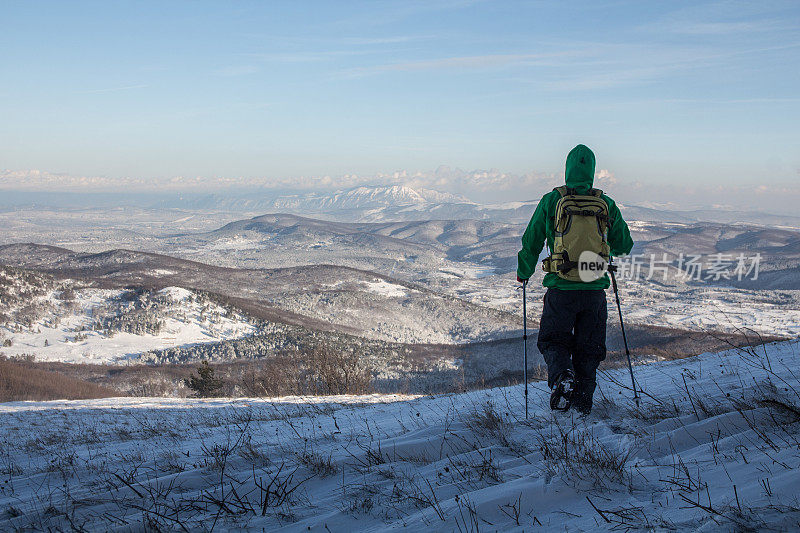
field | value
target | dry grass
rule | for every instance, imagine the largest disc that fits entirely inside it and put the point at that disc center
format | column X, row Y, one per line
column 321, row 371
column 578, row 456
column 19, row 380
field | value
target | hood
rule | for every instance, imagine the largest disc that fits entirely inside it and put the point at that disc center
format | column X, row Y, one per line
column 580, row 168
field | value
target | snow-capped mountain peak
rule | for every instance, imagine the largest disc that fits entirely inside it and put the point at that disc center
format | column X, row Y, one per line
column 369, row 198
column 393, row 195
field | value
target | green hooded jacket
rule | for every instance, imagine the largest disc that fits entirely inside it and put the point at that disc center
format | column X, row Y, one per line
column 580, row 175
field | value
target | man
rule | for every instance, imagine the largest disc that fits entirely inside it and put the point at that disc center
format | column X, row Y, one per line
column 572, row 332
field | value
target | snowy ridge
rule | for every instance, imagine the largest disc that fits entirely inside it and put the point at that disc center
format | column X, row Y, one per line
column 713, row 446
column 367, row 198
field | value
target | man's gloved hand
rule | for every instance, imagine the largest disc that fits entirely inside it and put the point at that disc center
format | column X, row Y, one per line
column 521, row 280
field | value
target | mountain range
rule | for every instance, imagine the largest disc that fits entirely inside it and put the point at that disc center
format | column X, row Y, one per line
column 403, row 203
column 371, row 204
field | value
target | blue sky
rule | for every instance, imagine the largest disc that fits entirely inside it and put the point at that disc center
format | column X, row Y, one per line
column 664, row 92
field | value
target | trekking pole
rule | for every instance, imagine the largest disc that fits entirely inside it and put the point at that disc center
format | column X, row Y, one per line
column 525, row 344
column 611, row 270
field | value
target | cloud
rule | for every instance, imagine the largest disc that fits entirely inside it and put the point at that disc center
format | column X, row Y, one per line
column 472, row 62
column 443, row 178
column 291, row 57
column 722, row 28
column 237, row 70
column 468, row 62
column 574, row 65
column 398, row 39
column 604, row 178
column 726, row 17
column 114, row 89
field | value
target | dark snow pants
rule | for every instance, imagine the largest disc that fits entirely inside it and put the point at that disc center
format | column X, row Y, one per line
column 572, row 336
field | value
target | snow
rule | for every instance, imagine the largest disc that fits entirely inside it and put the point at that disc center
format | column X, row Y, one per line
column 233, row 244
column 178, row 294
column 712, row 308
column 713, row 446
column 72, row 340
column 648, row 303
column 469, row 271
column 509, row 205
column 199, row 403
column 365, row 198
column 384, row 288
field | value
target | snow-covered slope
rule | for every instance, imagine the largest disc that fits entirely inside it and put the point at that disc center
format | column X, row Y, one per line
column 317, row 296
column 713, row 446
column 57, row 321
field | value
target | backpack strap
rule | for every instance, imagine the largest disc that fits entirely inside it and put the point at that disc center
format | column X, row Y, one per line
column 558, row 263
column 570, row 191
column 586, row 213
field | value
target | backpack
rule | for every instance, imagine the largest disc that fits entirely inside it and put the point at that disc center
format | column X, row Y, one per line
column 581, row 224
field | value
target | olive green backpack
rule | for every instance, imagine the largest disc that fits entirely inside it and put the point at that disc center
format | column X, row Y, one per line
column 580, row 224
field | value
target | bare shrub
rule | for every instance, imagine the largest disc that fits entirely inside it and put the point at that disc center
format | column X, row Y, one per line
column 20, row 380
column 154, row 385
column 369, row 457
column 276, row 490
column 577, row 455
column 276, row 376
column 488, row 418
column 322, row 370
column 253, row 453
column 783, row 399
column 486, row 421
column 330, row 371
column 652, row 412
column 317, row 464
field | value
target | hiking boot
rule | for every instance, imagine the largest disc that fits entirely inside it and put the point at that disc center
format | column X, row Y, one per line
column 582, row 406
column 582, row 396
column 562, row 391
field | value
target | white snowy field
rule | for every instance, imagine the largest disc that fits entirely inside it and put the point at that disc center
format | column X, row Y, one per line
column 714, row 445
column 68, row 331
column 692, row 308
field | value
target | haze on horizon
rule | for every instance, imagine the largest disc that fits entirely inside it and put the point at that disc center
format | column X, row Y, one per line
column 677, row 99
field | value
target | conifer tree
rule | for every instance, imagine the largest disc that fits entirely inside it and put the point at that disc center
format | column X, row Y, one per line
column 205, row 384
